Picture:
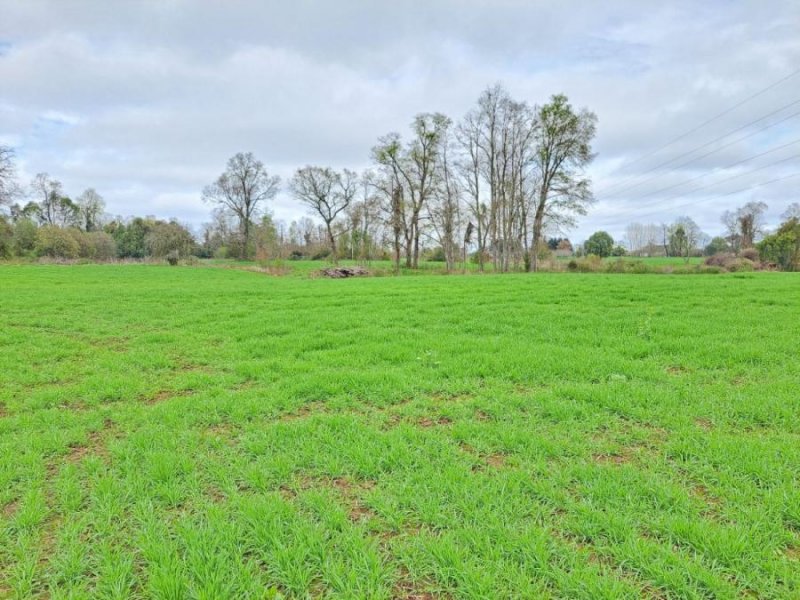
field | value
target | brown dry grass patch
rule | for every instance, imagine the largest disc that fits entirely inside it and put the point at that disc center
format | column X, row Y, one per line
column 704, row 424
column 164, row 395
column 10, row 509
column 430, row 422
column 305, row 411
column 613, row 458
column 95, row 445
column 407, row 589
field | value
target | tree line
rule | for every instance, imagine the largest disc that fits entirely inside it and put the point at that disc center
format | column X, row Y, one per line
column 491, row 185
column 745, row 232
column 496, row 187
column 52, row 224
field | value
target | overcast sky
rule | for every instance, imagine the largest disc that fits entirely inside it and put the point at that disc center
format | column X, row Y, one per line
column 145, row 101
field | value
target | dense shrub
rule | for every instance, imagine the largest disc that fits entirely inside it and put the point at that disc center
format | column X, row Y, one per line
column 719, row 259
column 586, row 264
column 166, row 239
column 24, row 237
column 71, row 243
column 730, row 262
column 102, row 245
column 750, row 254
column 55, row 242
column 783, row 247
column 85, row 248
column 130, row 237
column 437, row 255
column 6, row 238
column 739, row 265
column 640, row 267
column 616, row 266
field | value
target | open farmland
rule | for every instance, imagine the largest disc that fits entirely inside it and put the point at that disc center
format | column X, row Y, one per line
column 215, row 433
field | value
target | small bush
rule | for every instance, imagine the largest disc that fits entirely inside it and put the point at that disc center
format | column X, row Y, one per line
column 616, row 266
column 719, row 259
column 640, row 267
column 437, row 255
column 730, row 262
column 750, row 254
column 709, row 269
column 587, row 264
column 739, row 265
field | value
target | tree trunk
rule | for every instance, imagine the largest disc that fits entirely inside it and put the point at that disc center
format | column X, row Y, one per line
column 397, row 251
column 481, row 246
column 246, row 243
column 332, row 240
column 409, row 238
column 538, row 221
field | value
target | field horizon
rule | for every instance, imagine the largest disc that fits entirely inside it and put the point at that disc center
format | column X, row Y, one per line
column 219, row 433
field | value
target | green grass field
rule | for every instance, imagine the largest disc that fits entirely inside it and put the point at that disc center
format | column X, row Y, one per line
column 215, row 433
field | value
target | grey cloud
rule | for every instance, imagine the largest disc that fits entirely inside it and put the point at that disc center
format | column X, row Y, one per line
column 146, row 101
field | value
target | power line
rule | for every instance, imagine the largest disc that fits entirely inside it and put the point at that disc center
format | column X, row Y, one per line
column 739, row 191
column 714, row 118
column 730, row 166
column 693, row 150
column 761, row 184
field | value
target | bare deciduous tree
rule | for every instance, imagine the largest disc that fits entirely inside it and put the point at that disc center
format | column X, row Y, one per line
column 685, row 238
column 90, row 209
column 243, row 188
column 563, row 150
column 409, row 173
column 8, row 186
column 635, row 237
column 54, row 207
column 522, row 170
column 444, row 209
column 469, row 165
column 792, row 212
column 744, row 224
column 364, row 221
column 495, row 139
column 327, row 193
